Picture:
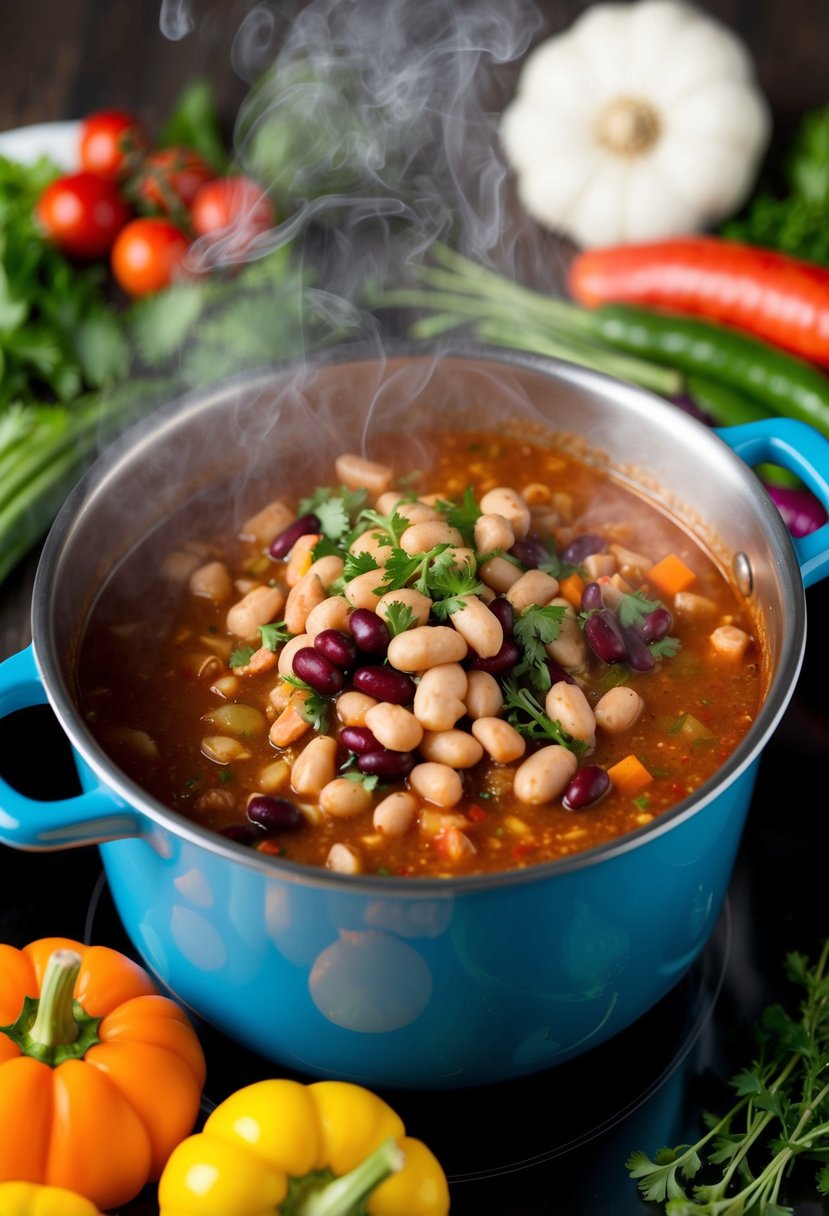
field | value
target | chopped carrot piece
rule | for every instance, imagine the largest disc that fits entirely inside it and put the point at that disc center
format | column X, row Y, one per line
column 302, row 555
column 671, row 575
column 261, row 660
column 570, row 588
column 629, row 776
column 290, row 725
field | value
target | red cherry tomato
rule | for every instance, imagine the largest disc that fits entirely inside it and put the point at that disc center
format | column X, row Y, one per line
column 170, row 178
column 82, row 214
column 235, row 202
column 111, row 143
column 146, row 255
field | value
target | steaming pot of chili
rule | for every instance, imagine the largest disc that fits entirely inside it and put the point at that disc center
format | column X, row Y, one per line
column 418, row 701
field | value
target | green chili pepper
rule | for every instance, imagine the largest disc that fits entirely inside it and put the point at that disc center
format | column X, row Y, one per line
column 727, row 407
column 781, row 382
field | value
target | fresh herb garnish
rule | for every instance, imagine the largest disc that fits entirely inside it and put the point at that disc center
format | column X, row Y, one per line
column 355, row 564
column 462, row 515
column 527, row 716
column 634, row 607
column 404, row 569
column 392, row 526
column 398, row 617
column 337, row 509
column 534, row 630
column 780, row 1114
column 315, row 708
column 450, row 584
column 241, row 656
column 274, row 634
column 367, row 780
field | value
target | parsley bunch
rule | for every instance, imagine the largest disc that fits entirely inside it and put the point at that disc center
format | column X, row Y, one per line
column 781, row 1114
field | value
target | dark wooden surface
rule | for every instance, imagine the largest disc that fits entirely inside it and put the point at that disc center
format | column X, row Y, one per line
column 60, row 59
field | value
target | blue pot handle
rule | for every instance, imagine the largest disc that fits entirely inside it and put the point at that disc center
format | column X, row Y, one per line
column 801, row 449
column 89, row 818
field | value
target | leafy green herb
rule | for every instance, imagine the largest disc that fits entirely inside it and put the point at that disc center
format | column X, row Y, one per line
column 780, row 1115
column 462, row 515
column 194, row 123
column 399, row 617
column 241, row 656
column 534, row 630
column 367, row 780
column 274, row 634
column 666, row 648
column 529, row 719
column 634, row 607
column 355, row 564
column 403, row 569
column 226, row 775
column 450, row 583
column 315, row 708
column 393, row 526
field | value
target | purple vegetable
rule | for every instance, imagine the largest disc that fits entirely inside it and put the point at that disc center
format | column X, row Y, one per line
column 336, row 646
column 589, row 784
column 801, row 511
column 359, row 739
column 369, row 631
column 282, row 544
column 502, row 609
column 273, row 814
column 603, row 635
column 531, row 551
column 386, row 763
column 385, row 684
column 318, row 671
column 591, row 598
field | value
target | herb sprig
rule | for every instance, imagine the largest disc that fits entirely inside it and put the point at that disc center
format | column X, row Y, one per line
column 527, row 716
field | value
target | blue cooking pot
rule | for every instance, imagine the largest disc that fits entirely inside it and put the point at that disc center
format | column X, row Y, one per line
column 419, row 982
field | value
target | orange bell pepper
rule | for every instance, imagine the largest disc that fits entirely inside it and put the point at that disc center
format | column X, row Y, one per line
column 100, row 1076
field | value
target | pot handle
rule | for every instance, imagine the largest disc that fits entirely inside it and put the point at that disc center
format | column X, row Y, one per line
column 801, row 449
column 26, row 823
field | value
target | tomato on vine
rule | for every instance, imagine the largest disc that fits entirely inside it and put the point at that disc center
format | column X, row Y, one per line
column 112, row 143
column 169, row 179
column 234, row 210
column 147, row 254
column 82, row 213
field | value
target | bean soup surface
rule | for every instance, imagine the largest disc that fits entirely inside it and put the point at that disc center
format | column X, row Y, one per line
column 502, row 659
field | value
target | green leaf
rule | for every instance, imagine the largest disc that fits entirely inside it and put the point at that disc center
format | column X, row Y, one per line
column 534, row 630
column 160, row 324
column 101, row 349
column 274, row 634
column 527, row 716
column 399, row 617
column 241, row 656
column 194, row 123
column 462, row 515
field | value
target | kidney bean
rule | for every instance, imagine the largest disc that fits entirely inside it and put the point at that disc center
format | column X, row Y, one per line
column 337, row 646
column 385, row 684
column 656, row 625
column 273, row 814
column 318, row 671
column 603, row 634
column 502, row 609
column 386, row 763
column 531, row 551
column 580, row 548
column 284, row 541
column 586, row 788
column 238, row 832
column 500, row 663
column 637, row 652
column 557, row 672
column 359, row 739
column 591, row 598
column 369, row 631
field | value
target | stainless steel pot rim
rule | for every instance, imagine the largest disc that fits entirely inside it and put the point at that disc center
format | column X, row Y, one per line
column 159, row 816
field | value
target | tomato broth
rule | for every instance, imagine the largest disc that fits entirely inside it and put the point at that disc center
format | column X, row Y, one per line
column 502, row 657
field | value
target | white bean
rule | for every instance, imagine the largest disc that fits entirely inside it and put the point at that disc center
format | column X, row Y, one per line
column 212, row 582
column 357, row 473
column 534, row 587
column 420, row 538
column 438, row 701
column 331, row 613
column 285, row 663
column 618, row 709
column 569, row 649
column 327, row 569
column 436, row 783
column 266, row 524
column 484, row 698
column 499, row 740
column 258, row 607
column 499, row 574
column 566, row 704
column 394, row 815
column 342, row 799
column 503, row 500
column 419, row 604
column 545, row 775
column 480, row 628
column 352, row 707
column 375, row 542
column 457, row 748
column 493, row 532
column 342, row 859
column 412, row 510
column 361, row 591
column 426, row 646
column 315, row 765
column 394, row 726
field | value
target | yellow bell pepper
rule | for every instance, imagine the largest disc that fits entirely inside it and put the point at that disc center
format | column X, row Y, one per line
column 280, row 1148
column 33, row 1199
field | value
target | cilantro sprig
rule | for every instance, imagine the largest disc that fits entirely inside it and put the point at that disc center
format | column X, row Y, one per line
column 450, row 583
column 315, row 708
column 337, row 509
column 461, row 515
column 527, row 716
column 534, row 630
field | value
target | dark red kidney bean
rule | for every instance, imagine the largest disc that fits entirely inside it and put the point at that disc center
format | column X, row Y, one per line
column 359, row 739
column 603, row 635
column 336, row 646
column 531, row 551
column 273, row 814
column 588, row 785
column 318, row 671
column 238, row 832
column 500, row 663
column 580, row 548
column 385, row 684
column 656, row 624
column 638, row 654
column 369, row 631
column 386, row 763
column 557, row 672
column 591, row 598
column 282, row 544
column 502, row 609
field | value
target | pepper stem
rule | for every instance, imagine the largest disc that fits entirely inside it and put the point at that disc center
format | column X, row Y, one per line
column 55, row 1023
column 342, row 1195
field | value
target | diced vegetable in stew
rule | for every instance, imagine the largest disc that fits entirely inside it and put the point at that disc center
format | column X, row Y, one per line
column 503, row 659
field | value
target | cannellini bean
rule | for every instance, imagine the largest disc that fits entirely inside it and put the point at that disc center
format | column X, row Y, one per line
column 258, row 607
column 438, row 702
column 457, row 748
column 536, row 494
column 342, row 859
column 508, row 502
column 212, row 582
column 394, row 726
column 484, row 698
column 356, row 472
column 499, row 574
column 493, row 532
column 395, row 814
column 352, row 708
column 618, row 709
column 223, row 749
column 419, row 604
column 569, row 649
column 375, row 542
column 566, row 704
column 599, row 565
column 285, row 666
column 315, row 765
column 544, row 775
column 342, row 799
column 332, row 613
column 327, row 569
column 436, row 783
column 693, row 606
column 629, row 562
column 534, row 587
column 361, row 591
column 302, row 597
column 426, row 646
column 499, row 740
column 420, row 538
column 262, row 527
column 462, row 556
column 480, row 628
column 274, row 777
column 413, row 510
column 730, row 642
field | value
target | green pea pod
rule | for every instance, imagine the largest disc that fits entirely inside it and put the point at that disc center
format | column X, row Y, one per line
column 783, row 383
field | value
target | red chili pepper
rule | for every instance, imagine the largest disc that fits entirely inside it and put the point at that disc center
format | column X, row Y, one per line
column 771, row 295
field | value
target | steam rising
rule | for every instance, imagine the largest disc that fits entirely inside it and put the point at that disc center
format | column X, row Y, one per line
column 176, row 20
